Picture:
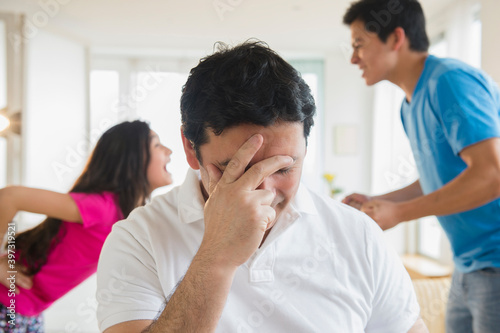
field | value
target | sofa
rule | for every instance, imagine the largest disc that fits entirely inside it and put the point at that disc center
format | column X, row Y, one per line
column 432, row 295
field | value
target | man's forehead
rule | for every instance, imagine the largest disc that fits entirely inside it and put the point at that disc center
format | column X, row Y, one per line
column 225, row 162
column 277, row 131
column 358, row 30
column 280, row 139
column 270, row 147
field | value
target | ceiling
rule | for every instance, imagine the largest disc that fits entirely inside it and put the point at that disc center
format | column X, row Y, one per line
column 288, row 25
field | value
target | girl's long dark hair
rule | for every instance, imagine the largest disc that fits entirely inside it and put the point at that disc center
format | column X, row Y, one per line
column 118, row 164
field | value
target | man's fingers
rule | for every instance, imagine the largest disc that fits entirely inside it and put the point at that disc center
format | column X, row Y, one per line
column 238, row 163
column 214, row 175
column 270, row 215
column 355, row 204
column 368, row 208
column 350, row 198
column 266, row 197
column 263, row 211
column 254, row 176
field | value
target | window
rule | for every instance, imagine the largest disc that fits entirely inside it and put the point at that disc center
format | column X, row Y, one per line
column 312, row 73
column 431, row 238
column 161, row 108
column 475, row 41
column 104, row 98
column 393, row 164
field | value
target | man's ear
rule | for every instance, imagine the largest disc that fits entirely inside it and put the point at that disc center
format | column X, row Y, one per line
column 399, row 38
column 190, row 152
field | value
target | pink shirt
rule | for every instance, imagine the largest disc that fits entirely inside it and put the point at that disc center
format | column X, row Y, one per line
column 75, row 257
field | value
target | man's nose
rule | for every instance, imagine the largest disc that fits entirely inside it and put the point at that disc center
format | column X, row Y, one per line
column 267, row 184
column 354, row 58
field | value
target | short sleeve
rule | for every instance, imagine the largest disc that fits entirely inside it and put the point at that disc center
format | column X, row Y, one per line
column 395, row 307
column 97, row 208
column 467, row 106
column 128, row 287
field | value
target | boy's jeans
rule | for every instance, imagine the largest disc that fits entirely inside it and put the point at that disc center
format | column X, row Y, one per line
column 474, row 302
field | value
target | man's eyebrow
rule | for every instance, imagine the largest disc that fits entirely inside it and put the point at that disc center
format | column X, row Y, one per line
column 224, row 163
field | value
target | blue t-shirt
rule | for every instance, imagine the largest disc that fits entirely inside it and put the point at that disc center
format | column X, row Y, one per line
column 454, row 106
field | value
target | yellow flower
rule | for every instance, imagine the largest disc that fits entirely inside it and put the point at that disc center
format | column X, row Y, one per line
column 329, row 177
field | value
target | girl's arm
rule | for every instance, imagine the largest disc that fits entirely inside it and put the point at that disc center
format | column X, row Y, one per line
column 53, row 204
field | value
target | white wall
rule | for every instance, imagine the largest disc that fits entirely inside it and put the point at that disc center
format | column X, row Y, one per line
column 56, row 147
column 55, row 112
column 348, row 102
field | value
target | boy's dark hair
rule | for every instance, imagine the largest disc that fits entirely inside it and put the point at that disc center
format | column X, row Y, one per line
column 384, row 16
column 246, row 84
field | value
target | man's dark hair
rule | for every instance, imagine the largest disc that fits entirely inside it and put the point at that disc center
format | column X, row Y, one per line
column 384, row 16
column 246, row 84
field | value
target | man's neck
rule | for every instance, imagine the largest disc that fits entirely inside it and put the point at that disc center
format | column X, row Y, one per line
column 408, row 72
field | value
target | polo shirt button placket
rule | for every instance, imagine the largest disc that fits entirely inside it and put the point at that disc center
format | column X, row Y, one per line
column 261, row 263
column 261, row 266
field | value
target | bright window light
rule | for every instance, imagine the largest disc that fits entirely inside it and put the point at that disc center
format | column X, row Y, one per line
column 4, row 123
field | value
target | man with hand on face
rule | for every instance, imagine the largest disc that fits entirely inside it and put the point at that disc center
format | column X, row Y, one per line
column 451, row 115
column 241, row 246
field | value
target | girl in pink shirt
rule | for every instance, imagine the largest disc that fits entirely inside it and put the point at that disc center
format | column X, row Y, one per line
column 44, row 263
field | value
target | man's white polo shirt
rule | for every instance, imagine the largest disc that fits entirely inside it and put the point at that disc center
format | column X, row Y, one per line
column 323, row 268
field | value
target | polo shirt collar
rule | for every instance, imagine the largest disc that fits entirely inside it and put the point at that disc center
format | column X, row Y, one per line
column 191, row 201
column 303, row 201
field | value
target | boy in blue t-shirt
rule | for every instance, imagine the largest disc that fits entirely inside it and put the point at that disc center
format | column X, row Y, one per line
column 451, row 115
